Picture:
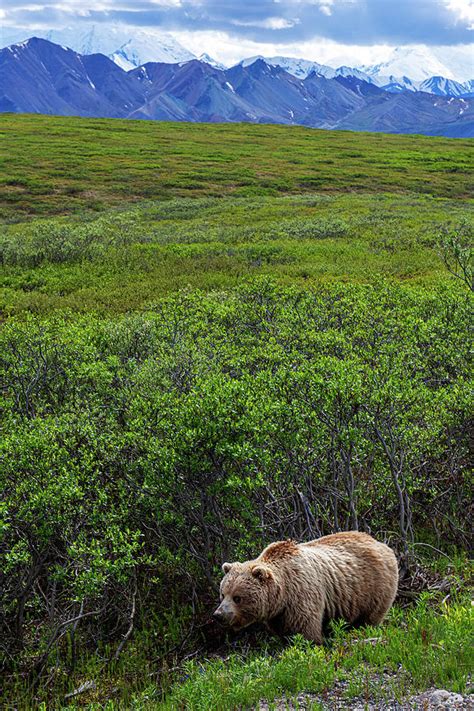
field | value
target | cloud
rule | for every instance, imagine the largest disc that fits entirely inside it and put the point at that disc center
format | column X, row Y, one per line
column 326, row 10
column 361, row 22
column 463, row 9
column 230, row 49
column 270, row 23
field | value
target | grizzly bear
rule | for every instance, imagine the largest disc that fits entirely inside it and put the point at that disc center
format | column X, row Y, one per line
column 298, row 587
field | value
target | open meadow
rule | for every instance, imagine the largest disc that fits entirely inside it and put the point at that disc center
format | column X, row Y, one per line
column 213, row 337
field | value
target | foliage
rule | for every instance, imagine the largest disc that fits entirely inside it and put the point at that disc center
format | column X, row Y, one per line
column 163, row 443
column 233, row 360
column 125, row 259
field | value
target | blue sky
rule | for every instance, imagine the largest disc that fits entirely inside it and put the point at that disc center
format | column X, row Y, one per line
column 267, row 23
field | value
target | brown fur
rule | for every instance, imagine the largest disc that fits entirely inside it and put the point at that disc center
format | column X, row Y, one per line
column 279, row 551
column 297, row 588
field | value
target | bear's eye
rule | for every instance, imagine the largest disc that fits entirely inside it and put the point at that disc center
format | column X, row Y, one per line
column 237, row 599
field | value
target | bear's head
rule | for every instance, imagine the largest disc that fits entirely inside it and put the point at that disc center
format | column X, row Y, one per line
column 248, row 593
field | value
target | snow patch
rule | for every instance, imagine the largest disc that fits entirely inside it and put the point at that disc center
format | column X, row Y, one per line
column 126, row 46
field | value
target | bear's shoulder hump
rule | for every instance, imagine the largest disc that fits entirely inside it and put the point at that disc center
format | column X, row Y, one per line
column 280, row 550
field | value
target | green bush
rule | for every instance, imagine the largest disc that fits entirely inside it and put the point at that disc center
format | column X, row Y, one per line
column 160, row 444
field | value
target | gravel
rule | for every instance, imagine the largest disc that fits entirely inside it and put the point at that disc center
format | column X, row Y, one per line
column 335, row 700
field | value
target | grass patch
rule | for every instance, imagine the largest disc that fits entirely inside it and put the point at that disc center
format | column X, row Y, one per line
column 425, row 646
column 61, row 165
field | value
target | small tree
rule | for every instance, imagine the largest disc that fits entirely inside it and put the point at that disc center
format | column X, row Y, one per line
column 456, row 251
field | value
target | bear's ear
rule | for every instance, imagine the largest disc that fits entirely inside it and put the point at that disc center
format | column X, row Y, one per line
column 226, row 567
column 262, row 572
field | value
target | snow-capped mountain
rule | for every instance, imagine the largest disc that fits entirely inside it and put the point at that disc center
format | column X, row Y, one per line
column 413, row 72
column 444, row 71
column 300, row 68
column 459, row 60
column 37, row 76
column 469, row 86
column 210, row 60
column 419, row 63
column 345, row 71
column 395, row 84
column 444, row 87
column 127, row 47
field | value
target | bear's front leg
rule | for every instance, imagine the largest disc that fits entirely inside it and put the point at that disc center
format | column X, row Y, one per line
column 314, row 631
column 276, row 625
column 307, row 624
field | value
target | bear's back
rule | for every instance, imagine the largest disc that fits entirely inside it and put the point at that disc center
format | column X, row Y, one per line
column 347, row 539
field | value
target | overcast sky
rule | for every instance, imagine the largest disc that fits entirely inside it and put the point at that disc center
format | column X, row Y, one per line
column 269, row 26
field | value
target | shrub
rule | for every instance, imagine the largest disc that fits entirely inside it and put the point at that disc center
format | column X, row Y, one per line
column 157, row 445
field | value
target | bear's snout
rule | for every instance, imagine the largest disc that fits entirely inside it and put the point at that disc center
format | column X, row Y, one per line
column 223, row 614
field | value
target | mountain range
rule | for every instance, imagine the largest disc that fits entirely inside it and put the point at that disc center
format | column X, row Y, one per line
column 439, row 70
column 40, row 76
column 431, row 84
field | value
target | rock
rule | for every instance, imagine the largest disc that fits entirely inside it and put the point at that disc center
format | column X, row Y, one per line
column 439, row 696
column 447, row 699
column 334, row 699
